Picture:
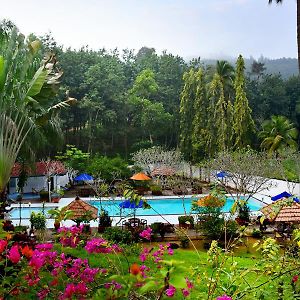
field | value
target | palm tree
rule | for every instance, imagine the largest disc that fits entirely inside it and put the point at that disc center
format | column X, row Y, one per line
column 226, row 72
column 277, row 134
column 28, row 85
column 298, row 26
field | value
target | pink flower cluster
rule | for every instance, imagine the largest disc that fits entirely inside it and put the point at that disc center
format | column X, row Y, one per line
column 70, row 236
column 113, row 285
column 171, row 290
column 99, row 245
column 158, row 254
column 77, row 270
column 224, row 297
column 146, row 234
column 73, row 290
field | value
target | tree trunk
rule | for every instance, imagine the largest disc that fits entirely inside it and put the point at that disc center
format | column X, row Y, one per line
column 298, row 33
column 3, row 203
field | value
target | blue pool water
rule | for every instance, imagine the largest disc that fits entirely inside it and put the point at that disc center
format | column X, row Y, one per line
column 164, row 206
column 26, row 212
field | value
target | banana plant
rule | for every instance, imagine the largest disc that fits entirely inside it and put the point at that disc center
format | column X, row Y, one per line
column 28, row 86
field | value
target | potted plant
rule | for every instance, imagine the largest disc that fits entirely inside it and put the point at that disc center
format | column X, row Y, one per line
column 44, row 195
column 59, row 215
column 104, row 221
column 85, row 219
column 186, row 222
column 56, row 195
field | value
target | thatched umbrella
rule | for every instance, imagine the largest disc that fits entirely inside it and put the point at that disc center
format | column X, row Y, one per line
column 163, row 171
column 289, row 214
column 81, row 210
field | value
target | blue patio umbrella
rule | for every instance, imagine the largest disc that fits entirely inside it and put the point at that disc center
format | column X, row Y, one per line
column 83, row 177
column 282, row 195
column 222, row 174
column 131, row 205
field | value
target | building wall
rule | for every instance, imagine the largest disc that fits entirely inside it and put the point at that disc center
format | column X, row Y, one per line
column 38, row 183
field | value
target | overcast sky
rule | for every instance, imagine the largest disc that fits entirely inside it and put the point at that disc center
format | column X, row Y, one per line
column 206, row 28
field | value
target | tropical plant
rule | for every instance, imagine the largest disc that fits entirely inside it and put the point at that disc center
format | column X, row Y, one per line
column 226, row 72
column 27, row 87
column 277, row 134
column 60, row 214
column 38, row 221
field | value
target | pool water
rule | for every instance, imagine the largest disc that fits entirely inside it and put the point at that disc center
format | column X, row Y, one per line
column 26, row 212
column 165, row 206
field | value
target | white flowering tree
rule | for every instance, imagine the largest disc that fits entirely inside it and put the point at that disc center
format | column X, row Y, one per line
column 157, row 157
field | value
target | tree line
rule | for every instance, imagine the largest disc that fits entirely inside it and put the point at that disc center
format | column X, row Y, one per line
column 128, row 100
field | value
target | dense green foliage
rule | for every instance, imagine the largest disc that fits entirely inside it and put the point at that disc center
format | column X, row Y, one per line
column 130, row 100
column 108, row 168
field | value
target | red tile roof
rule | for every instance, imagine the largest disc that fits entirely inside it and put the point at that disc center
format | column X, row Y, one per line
column 41, row 168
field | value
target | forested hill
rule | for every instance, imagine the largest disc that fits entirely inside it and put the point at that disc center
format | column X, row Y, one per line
column 287, row 67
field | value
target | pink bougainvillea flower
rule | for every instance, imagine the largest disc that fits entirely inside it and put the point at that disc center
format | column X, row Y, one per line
column 189, row 284
column 224, row 297
column 170, row 251
column 146, row 234
column 170, row 292
column 295, row 278
column 43, row 294
column 14, row 254
column 3, row 245
column 185, row 292
column 144, row 254
column 113, row 284
column 54, row 282
column 99, row 245
column 44, row 247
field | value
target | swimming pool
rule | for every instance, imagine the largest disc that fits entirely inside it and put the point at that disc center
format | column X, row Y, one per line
column 163, row 206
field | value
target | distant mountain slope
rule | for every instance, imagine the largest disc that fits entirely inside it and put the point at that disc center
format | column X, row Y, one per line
column 287, row 67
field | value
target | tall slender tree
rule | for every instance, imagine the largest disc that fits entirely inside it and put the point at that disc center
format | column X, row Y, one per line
column 243, row 124
column 187, row 113
column 200, row 133
column 222, row 114
column 298, row 26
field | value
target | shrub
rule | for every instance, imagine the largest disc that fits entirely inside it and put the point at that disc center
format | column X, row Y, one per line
column 186, row 221
column 158, row 227
column 256, row 233
column 243, row 212
column 104, row 219
column 118, row 235
column 156, row 190
column 38, row 221
column 106, row 167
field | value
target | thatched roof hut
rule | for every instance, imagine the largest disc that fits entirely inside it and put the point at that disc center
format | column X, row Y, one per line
column 289, row 214
column 284, row 210
column 81, row 208
column 163, row 171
